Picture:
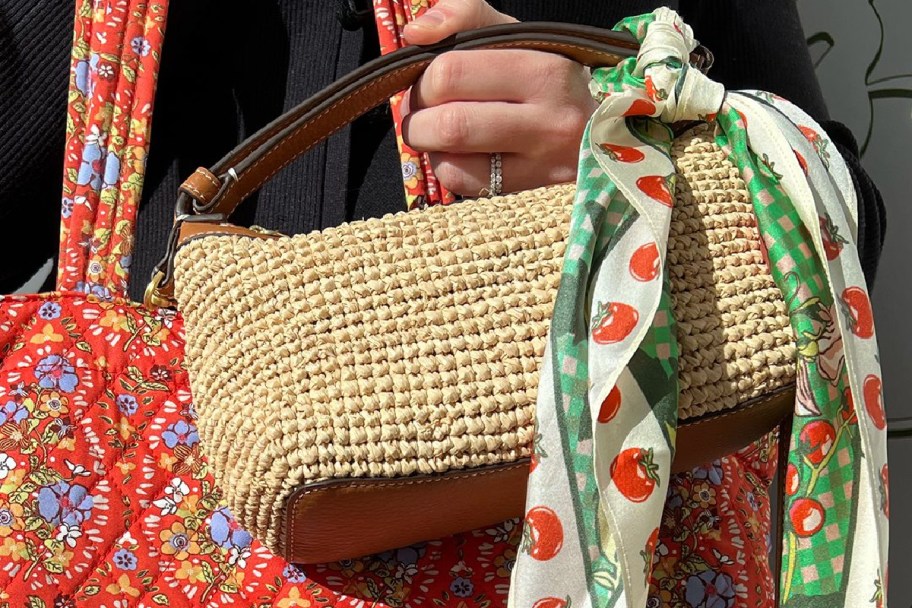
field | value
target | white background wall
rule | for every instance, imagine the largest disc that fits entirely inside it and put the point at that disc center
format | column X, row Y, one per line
column 856, row 35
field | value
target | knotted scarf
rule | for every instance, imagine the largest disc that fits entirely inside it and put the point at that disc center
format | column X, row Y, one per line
column 595, row 499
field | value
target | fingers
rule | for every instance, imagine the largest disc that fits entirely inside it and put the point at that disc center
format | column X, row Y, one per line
column 468, row 174
column 467, row 127
column 504, row 75
column 448, row 17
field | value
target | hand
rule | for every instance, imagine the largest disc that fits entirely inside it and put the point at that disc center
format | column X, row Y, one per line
column 532, row 107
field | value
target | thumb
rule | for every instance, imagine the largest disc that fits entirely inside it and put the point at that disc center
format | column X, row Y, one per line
column 448, row 17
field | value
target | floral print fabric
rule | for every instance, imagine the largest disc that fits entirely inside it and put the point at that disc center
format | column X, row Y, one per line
column 421, row 186
column 115, row 57
column 104, row 497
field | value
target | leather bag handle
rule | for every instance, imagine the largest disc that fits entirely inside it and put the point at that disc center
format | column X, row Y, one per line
column 249, row 166
column 212, row 195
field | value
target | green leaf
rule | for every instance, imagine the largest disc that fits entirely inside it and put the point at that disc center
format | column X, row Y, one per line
column 208, row 576
column 33, row 523
column 161, row 599
column 54, row 567
column 129, row 73
column 84, row 346
column 604, row 579
column 35, row 602
column 45, row 476
column 91, row 590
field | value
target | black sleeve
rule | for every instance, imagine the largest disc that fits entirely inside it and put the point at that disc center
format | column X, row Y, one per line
column 35, row 40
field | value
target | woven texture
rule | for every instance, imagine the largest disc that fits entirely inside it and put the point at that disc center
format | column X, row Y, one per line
column 411, row 344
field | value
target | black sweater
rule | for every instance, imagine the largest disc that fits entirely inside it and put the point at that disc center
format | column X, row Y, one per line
column 231, row 66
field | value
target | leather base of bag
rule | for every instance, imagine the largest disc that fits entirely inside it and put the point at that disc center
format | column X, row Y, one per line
column 373, row 385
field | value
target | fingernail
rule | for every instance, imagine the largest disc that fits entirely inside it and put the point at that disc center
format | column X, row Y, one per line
column 430, row 19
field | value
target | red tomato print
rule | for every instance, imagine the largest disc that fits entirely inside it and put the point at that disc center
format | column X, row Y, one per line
column 885, row 490
column 859, row 305
column 614, row 322
column 817, row 440
column 833, row 242
column 648, row 553
column 622, row 154
column 552, row 602
column 807, row 516
column 656, row 188
column 651, row 89
column 610, row 406
column 801, row 161
column 635, row 474
column 809, row 134
column 544, row 533
column 645, row 263
column 641, row 107
column 792, row 479
column 873, row 398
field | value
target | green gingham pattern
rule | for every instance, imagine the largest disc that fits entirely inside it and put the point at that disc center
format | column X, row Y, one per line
column 809, row 565
column 602, row 483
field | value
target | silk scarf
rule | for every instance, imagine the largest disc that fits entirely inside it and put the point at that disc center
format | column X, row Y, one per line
column 595, row 499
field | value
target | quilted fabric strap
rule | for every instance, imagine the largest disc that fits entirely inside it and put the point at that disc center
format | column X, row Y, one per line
column 421, row 186
column 115, row 60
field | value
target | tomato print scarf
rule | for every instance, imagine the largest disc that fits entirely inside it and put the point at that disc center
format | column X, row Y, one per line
column 595, row 499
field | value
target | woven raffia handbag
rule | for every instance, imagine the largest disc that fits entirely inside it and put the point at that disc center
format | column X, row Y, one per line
column 373, row 385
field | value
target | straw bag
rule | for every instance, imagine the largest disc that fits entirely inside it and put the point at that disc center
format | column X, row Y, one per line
column 373, row 385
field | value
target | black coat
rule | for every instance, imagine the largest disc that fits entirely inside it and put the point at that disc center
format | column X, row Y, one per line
column 231, row 66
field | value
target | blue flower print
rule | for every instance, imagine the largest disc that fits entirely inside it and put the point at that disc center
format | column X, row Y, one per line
column 462, row 587
column 49, row 311
column 6, row 518
column 13, row 412
column 405, row 555
column 180, row 432
column 711, row 472
column 140, row 46
column 710, row 590
column 752, row 501
column 293, row 575
column 65, row 503
column 56, row 372
column 111, row 171
column 125, row 560
column 66, row 208
column 91, row 167
column 226, row 533
column 127, row 404
column 94, row 289
column 84, row 75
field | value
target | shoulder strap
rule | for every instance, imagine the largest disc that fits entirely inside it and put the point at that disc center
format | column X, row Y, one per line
column 115, row 61
column 421, row 186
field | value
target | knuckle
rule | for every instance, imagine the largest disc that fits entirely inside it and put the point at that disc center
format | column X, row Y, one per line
column 445, row 73
column 452, row 127
column 450, row 175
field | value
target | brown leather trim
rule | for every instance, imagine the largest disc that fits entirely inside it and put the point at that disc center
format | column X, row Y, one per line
column 712, row 436
column 341, row 519
column 344, row 519
column 202, row 185
column 195, row 230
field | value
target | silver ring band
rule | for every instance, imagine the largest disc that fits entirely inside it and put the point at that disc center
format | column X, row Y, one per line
column 496, row 174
